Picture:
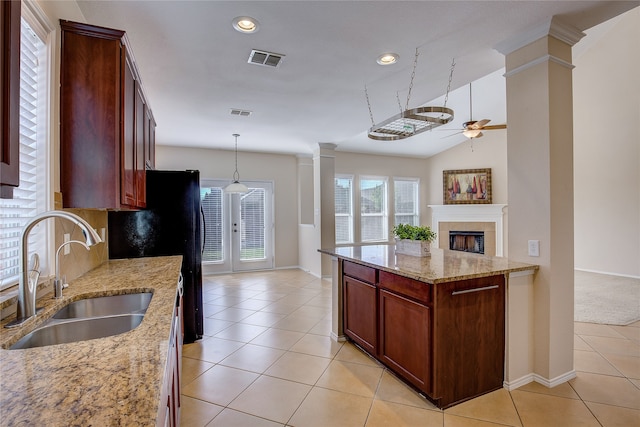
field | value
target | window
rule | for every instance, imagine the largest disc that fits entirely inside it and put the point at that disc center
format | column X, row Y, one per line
column 373, row 209
column 30, row 198
column 344, row 209
column 405, row 192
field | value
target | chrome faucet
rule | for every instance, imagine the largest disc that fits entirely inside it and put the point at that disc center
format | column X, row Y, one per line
column 27, row 288
column 58, row 283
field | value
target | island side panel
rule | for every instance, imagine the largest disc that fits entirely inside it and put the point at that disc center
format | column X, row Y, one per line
column 469, row 338
column 337, row 315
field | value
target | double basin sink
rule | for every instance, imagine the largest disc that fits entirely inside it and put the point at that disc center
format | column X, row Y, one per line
column 88, row 319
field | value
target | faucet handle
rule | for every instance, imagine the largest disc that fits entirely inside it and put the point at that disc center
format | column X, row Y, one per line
column 59, row 285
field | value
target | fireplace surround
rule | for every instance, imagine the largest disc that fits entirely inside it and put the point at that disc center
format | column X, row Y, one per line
column 488, row 219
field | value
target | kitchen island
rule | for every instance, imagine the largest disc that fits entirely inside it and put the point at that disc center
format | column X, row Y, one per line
column 438, row 322
column 117, row 380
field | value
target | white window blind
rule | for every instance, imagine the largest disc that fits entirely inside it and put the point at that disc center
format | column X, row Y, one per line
column 344, row 209
column 30, row 197
column 252, row 224
column 406, row 201
column 373, row 209
column 211, row 200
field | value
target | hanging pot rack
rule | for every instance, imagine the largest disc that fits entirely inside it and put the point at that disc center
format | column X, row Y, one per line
column 410, row 122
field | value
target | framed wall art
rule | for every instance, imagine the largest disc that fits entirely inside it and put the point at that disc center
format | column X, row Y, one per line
column 466, row 186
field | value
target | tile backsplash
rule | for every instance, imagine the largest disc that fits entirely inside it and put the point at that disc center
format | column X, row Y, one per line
column 78, row 261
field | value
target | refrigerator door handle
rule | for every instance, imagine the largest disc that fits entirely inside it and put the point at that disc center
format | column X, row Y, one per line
column 203, row 230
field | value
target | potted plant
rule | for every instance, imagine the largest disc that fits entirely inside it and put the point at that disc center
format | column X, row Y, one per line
column 413, row 240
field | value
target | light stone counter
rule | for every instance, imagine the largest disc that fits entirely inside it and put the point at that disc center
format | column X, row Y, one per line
column 441, row 266
column 102, row 382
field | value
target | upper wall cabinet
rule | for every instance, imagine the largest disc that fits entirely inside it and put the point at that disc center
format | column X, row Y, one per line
column 10, row 103
column 107, row 130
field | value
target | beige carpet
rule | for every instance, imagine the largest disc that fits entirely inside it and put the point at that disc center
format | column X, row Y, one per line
column 604, row 299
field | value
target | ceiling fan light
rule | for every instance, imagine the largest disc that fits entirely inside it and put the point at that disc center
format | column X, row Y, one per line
column 245, row 24
column 471, row 133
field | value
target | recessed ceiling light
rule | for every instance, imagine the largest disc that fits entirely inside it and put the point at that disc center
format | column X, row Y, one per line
column 387, row 58
column 245, row 24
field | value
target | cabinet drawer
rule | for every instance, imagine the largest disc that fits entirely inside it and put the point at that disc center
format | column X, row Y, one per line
column 357, row 271
column 413, row 289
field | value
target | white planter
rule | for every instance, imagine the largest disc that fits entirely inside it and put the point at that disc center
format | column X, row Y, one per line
column 413, row 247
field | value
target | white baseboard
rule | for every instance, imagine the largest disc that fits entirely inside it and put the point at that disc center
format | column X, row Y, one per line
column 608, row 273
column 549, row 383
column 338, row 338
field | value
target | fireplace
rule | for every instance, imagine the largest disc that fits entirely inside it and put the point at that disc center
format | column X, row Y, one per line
column 467, row 241
column 487, row 219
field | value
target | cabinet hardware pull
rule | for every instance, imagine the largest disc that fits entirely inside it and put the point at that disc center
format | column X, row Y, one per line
column 486, row 288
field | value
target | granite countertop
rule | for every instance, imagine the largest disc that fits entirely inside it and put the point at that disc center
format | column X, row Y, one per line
column 108, row 381
column 442, row 266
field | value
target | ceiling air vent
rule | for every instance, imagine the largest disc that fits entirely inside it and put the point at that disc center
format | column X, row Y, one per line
column 268, row 59
column 238, row 112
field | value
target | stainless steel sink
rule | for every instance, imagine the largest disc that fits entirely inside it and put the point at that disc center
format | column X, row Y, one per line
column 89, row 319
column 106, row 306
column 79, row 330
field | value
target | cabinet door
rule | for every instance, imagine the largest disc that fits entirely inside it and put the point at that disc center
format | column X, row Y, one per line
column 139, row 148
column 405, row 338
column 360, row 323
column 10, row 104
column 127, row 149
column 469, row 338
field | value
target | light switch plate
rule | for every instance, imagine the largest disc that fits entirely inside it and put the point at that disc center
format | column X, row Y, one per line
column 534, row 247
column 67, row 249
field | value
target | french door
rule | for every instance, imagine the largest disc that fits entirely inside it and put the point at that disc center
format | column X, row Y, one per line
column 238, row 227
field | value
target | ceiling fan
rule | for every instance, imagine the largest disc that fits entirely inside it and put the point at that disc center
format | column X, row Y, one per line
column 472, row 128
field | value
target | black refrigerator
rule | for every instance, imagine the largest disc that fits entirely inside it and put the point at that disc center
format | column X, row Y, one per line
column 171, row 224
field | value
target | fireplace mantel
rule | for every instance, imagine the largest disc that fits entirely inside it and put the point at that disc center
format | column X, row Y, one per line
column 471, row 213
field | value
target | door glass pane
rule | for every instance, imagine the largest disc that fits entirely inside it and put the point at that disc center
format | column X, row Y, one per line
column 252, row 225
column 211, row 199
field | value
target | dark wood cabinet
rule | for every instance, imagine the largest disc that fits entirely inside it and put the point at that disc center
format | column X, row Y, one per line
column 360, row 300
column 10, row 103
column 105, row 131
column 405, row 338
column 446, row 339
column 360, row 305
column 470, row 338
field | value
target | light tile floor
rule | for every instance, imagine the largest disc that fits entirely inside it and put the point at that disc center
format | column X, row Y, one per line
column 267, row 360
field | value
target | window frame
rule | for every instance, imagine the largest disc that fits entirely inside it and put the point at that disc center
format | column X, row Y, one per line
column 416, row 199
column 41, row 239
column 385, row 208
column 349, row 215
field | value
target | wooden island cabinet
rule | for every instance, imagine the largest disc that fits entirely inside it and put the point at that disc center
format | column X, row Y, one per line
column 438, row 322
column 107, row 130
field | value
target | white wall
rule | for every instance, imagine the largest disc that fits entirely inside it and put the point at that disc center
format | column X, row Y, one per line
column 489, row 151
column 280, row 169
column 607, row 151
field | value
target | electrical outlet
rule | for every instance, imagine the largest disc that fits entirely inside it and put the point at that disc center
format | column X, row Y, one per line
column 67, row 249
column 534, row 247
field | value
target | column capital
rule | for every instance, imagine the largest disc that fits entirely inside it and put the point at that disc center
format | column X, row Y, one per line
column 554, row 27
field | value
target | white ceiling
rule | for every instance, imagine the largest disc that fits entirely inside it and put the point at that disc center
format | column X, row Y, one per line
column 194, row 66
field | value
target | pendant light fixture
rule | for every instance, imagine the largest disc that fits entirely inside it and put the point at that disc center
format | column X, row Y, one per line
column 236, row 187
